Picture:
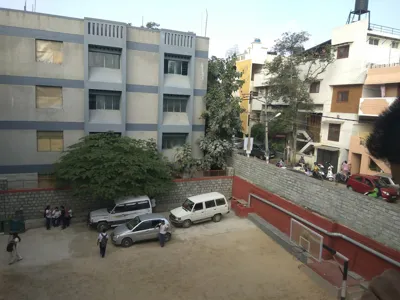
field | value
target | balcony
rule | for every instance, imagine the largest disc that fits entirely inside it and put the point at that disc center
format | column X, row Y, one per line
column 373, row 107
column 384, row 29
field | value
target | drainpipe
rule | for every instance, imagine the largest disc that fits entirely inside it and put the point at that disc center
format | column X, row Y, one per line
column 332, row 234
column 343, row 290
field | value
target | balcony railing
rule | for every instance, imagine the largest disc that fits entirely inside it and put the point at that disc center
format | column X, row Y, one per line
column 377, row 66
column 372, row 107
column 384, row 29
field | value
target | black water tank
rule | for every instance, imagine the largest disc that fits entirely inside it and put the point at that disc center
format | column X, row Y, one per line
column 361, row 6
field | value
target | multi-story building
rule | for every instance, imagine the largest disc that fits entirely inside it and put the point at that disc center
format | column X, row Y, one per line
column 342, row 92
column 62, row 78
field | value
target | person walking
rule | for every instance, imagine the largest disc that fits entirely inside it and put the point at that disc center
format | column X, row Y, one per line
column 102, row 242
column 63, row 217
column 68, row 216
column 163, row 231
column 12, row 247
column 48, row 215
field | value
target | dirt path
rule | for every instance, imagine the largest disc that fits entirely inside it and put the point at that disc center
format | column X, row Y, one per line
column 221, row 263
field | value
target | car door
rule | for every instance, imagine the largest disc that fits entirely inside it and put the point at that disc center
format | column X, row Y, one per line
column 198, row 212
column 211, row 208
column 356, row 183
column 117, row 215
column 155, row 229
column 143, row 231
column 367, row 186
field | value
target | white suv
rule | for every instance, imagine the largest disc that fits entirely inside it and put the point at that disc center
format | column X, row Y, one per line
column 124, row 210
column 204, row 207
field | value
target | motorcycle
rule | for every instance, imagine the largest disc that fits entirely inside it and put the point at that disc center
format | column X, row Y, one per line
column 341, row 178
column 319, row 174
column 281, row 164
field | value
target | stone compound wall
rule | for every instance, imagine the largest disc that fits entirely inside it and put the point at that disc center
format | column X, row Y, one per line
column 33, row 201
column 370, row 217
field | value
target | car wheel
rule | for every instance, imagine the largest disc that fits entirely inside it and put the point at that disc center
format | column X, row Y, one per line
column 126, row 242
column 167, row 236
column 217, row 218
column 101, row 226
column 187, row 223
column 350, row 188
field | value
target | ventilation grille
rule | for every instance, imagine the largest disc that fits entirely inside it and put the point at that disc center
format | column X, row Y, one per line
column 106, row 30
column 178, row 40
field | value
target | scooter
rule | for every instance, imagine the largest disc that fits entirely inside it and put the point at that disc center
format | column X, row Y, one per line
column 341, row 178
column 300, row 168
column 319, row 174
column 330, row 175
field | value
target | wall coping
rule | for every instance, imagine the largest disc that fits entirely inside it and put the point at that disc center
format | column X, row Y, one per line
column 63, row 189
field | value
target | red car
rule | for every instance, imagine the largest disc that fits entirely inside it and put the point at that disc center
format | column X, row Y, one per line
column 366, row 183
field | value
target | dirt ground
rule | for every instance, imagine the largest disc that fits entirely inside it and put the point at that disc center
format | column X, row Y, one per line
column 231, row 260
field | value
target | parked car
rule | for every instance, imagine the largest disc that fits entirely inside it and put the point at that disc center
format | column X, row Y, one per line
column 259, row 151
column 140, row 228
column 365, row 183
column 387, row 178
column 124, row 210
column 204, row 207
column 238, row 143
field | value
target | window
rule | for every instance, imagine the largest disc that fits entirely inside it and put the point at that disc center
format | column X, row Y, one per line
column 175, row 103
column 198, row 206
column 334, row 132
column 50, row 141
column 155, row 223
column 314, row 87
column 220, row 201
column 172, row 140
column 343, row 52
column 374, row 42
column 342, row 96
column 49, row 52
column 143, row 205
column 176, row 66
column 210, row 204
column 358, row 178
column 104, row 57
column 385, row 180
column 145, row 225
column 48, row 97
column 119, row 209
column 369, row 183
column 109, row 102
column 395, row 45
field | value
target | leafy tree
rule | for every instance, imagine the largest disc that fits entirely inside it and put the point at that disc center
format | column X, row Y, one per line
column 185, row 163
column 222, row 114
column 152, row 25
column 258, row 132
column 290, row 74
column 106, row 166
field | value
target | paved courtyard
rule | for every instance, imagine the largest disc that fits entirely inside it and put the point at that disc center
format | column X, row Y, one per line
column 232, row 260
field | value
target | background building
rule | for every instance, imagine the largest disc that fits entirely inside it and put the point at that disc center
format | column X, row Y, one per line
column 62, row 78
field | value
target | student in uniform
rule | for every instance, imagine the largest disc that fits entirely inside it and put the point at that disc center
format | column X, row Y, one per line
column 102, row 242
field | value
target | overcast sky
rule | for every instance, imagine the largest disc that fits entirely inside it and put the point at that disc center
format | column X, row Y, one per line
column 229, row 22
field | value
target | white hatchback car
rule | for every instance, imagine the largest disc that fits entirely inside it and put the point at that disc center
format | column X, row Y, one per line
column 200, row 208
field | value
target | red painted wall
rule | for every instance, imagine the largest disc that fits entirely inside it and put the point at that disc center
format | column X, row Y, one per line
column 361, row 261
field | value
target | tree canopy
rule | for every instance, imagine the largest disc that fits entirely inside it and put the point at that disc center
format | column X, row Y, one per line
column 152, row 25
column 106, row 166
column 290, row 74
column 222, row 114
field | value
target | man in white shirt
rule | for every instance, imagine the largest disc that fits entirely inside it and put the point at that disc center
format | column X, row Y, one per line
column 163, row 230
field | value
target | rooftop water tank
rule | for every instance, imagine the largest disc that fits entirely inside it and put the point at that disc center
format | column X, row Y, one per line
column 361, row 6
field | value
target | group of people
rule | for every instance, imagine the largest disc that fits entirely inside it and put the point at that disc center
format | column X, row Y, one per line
column 57, row 217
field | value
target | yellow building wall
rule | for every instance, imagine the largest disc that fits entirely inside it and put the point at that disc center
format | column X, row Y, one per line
column 244, row 67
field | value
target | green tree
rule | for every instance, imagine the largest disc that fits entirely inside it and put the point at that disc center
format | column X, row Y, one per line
column 106, row 166
column 185, row 164
column 222, row 114
column 290, row 74
column 152, row 25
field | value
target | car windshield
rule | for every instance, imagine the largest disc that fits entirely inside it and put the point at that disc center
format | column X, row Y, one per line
column 132, row 224
column 188, row 205
column 380, row 182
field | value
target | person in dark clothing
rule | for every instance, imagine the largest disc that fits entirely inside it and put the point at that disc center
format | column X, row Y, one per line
column 102, row 242
column 47, row 216
column 62, row 217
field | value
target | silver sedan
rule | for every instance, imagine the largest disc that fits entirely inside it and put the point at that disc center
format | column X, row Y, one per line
column 141, row 228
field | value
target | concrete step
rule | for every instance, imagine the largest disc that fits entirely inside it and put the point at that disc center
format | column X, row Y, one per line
column 326, row 285
column 354, row 293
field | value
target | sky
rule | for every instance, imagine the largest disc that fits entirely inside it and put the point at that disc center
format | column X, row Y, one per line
column 229, row 22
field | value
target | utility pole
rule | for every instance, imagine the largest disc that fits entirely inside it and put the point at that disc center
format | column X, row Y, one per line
column 248, row 150
column 266, row 128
